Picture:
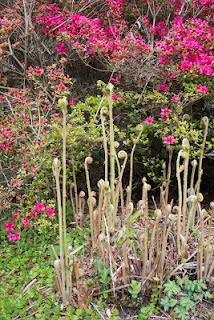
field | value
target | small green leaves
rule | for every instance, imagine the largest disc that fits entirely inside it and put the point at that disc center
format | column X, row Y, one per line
column 134, row 217
column 135, row 289
column 168, row 303
column 103, row 274
column 171, row 288
column 181, row 294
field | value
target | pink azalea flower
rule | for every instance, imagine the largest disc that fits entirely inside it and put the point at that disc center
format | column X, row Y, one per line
column 8, row 226
column 30, row 71
column 204, row 2
column 50, row 211
column 32, row 213
column 61, row 48
column 71, row 102
column 174, row 99
column 38, row 142
column 32, row 170
column 24, row 165
column 25, row 222
column 38, row 71
column 17, row 184
column 55, row 116
column 15, row 214
column 148, row 120
column 202, row 89
column 163, row 117
column 116, row 96
column 162, row 59
column 13, row 236
column 162, row 87
column 169, row 140
column 39, row 207
column 165, row 111
column 115, row 79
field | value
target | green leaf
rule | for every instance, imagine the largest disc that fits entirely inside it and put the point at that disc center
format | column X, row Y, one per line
column 171, row 288
column 134, row 217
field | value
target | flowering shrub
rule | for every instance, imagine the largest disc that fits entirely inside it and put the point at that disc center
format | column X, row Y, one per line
column 181, row 44
column 90, row 36
column 22, row 132
column 38, row 218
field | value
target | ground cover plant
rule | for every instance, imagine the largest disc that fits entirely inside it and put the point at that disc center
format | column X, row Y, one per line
column 106, row 159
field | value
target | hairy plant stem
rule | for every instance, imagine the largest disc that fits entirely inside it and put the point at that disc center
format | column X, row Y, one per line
column 146, row 188
column 56, row 172
column 208, row 250
column 152, row 240
column 75, row 192
column 194, row 165
column 168, row 174
column 119, row 189
column 72, row 200
column 81, row 208
column 105, row 141
column 136, row 141
column 112, row 147
column 101, row 186
column 179, row 202
column 191, row 218
column 64, row 191
column 110, row 254
column 186, row 147
column 88, row 161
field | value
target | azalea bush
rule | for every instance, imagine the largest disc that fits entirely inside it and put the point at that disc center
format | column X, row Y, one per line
column 39, row 218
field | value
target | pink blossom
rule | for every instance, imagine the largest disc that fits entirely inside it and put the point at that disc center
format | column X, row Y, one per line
column 174, row 99
column 202, row 89
column 206, row 70
column 35, row 71
column 165, row 111
column 32, row 170
column 116, row 96
column 30, row 71
column 15, row 214
column 32, row 213
column 61, row 87
column 148, row 120
column 38, row 207
column 38, row 71
column 164, row 117
column 25, row 222
column 38, row 142
column 204, row 2
column 169, row 140
column 17, row 184
column 8, row 226
column 24, row 165
column 50, row 211
column 115, row 79
column 55, row 116
column 71, row 102
column 25, row 117
column 61, row 48
column 162, row 87
column 145, row 21
column 13, row 236
column 162, row 59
